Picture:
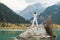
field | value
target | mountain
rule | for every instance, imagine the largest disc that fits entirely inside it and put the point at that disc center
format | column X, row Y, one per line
column 53, row 11
column 8, row 15
column 27, row 12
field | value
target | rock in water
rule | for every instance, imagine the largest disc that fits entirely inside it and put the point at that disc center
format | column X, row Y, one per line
column 35, row 32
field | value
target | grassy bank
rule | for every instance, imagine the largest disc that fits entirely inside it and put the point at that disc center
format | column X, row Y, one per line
column 21, row 26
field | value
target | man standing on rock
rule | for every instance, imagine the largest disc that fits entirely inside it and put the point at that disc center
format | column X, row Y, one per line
column 34, row 19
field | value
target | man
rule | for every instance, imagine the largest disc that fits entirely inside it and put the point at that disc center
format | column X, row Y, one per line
column 34, row 19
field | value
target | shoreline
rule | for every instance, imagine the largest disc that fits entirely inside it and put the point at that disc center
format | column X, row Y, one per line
column 12, row 30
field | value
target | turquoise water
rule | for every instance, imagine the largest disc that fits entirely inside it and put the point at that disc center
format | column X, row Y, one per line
column 57, row 32
column 5, row 35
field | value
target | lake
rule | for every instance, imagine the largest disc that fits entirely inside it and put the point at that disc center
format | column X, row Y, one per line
column 5, row 35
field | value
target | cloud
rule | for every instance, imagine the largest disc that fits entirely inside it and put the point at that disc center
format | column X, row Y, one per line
column 31, row 1
column 46, row 2
column 15, row 4
column 21, row 4
column 49, row 2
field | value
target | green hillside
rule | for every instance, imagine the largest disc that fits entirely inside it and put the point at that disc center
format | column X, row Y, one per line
column 8, row 15
column 54, row 12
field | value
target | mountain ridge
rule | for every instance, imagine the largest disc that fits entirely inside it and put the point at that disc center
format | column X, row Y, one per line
column 27, row 12
column 54, row 12
column 8, row 15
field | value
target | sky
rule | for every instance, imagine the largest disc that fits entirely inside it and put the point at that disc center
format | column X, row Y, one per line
column 22, row 4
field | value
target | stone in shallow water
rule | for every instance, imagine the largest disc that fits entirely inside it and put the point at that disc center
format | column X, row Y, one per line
column 34, row 33
column 40, row 31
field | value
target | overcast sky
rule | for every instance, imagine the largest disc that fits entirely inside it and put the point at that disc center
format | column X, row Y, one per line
column 21, row 4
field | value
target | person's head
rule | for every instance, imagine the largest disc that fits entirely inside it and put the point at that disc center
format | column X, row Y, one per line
column 34, row 12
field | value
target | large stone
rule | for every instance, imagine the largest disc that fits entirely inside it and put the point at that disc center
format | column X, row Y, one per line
column 34, row 33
